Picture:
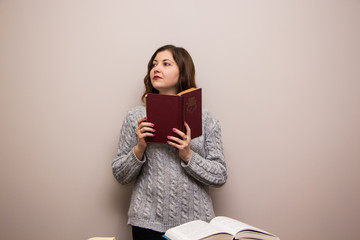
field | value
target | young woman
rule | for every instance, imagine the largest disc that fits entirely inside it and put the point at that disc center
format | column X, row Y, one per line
column 171, row 179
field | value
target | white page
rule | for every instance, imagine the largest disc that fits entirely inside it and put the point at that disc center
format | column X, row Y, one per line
column 233, row 226
column 193, row 230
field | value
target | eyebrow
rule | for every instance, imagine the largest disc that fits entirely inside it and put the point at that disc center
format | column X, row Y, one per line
column 164, row 60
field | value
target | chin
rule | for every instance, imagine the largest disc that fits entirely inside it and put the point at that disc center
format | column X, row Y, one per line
column 156, row 86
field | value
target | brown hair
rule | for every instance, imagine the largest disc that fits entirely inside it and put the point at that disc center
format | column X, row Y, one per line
column 186, row 69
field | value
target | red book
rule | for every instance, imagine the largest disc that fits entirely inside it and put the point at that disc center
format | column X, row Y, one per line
column 171, row 111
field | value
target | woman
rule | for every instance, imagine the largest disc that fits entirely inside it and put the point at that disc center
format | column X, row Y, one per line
column 171, row 180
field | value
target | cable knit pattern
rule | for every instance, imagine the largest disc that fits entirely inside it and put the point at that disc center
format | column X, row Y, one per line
column 160, row 191
column 168, row 192
column 173, row 194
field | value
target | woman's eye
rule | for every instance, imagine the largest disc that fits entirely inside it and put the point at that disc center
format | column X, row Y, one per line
column 166, row 64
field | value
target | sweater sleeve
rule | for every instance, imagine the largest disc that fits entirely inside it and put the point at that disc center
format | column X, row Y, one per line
column 126, row 166
column 211, row 168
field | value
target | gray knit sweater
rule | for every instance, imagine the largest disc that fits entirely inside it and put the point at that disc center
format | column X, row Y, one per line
column 168, row 192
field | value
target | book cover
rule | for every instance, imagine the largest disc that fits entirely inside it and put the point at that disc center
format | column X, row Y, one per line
column 170, row 111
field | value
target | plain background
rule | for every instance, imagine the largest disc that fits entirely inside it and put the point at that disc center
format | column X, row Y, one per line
column 283, row 78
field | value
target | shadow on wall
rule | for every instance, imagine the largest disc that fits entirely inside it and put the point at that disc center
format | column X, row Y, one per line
column 120, row 197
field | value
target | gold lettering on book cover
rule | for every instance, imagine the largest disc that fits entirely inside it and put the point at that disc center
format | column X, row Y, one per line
column 191, row 105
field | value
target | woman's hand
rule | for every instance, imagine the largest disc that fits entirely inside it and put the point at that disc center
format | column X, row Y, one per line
column 182, row 143
column 145, row 129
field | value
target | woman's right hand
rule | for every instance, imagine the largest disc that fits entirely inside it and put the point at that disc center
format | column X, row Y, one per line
column 145, row 129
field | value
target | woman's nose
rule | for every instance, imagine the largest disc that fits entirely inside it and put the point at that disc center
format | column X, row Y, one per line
column 156, row 68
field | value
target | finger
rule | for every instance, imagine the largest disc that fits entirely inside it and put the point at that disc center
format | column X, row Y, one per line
column 142, row 133
column 188, row 130
column 146, row 129
column 176, row 144
column 141, row 120
column 173, row 144
column 174, row 139
column 180, row 133
column 146, row 134
column 146, row 124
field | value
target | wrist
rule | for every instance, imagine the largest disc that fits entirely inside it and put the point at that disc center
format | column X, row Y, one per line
column 139, row 151
column 186, row 159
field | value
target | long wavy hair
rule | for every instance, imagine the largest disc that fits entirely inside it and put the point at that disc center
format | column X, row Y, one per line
column 186, row 69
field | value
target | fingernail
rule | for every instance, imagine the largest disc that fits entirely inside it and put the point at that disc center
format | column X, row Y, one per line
column 174, row 129
column 145, row 118
column 168, row 137
column 152, row 124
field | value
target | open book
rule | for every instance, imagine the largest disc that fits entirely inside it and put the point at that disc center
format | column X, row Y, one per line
column 102, row 238
column 171, row 111
column 219, row 228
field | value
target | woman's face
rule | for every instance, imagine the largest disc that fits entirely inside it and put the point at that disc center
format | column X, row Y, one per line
column 164, row 75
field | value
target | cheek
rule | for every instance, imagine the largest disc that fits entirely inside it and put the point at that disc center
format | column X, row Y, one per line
column 174, row 76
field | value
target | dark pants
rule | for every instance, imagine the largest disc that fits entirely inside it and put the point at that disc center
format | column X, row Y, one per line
column 146, row 234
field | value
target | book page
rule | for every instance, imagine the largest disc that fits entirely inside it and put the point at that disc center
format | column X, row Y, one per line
column 186, row 91
column 233, row 226
column 102, row 238
column 194, row 230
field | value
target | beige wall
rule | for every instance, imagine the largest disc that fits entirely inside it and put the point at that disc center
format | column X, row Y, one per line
column 283, row 77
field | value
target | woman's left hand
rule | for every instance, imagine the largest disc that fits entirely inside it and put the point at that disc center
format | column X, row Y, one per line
column 182, row 143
